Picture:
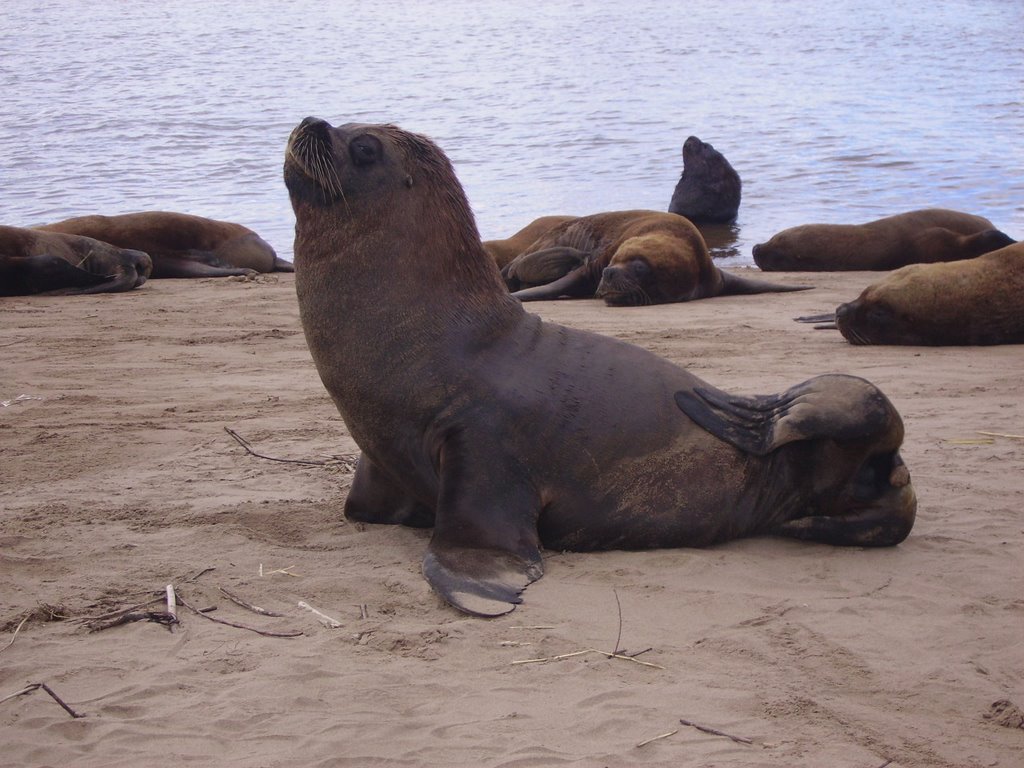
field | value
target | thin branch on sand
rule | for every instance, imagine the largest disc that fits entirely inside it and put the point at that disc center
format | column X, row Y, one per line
column 657, row 738
column 715, row 731
column 254, row 608
column 15, row 635
column 344, row 461
column 289, row 633
column 606, row 654
column 50, row 691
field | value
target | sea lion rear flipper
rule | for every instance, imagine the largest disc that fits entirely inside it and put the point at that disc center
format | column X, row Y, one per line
column 835, row 406
column 280, row 265
column 734, row 285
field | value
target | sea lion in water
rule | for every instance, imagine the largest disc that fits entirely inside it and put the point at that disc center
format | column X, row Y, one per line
column 503, row 251
column 708, row 191
column 505, row 432
column 977, row 301
column 916, row 237
column 50, row 262
column 181, row 245
column 626, row 258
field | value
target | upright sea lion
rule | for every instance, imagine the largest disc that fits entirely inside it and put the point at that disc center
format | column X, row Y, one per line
column 503, row 251
column 626, row 258
column 49, row 262
column 181, row 245
column 917, row 237
column 708, row 191
column 505, row 432
column 978, row 301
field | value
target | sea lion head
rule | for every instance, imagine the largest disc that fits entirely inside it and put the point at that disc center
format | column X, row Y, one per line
column 653, row 268
column 709, row 188
column 355, row 180
column 905, row 307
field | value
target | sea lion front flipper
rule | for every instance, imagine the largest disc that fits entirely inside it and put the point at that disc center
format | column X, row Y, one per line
column 835, row 405
column 825, row 317
column 576, row 284
column 734, row 285
column 485, row 549
column 481, row 582
column 541, row 267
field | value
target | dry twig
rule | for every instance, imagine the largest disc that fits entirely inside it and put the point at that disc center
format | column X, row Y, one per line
column 607, row 654
column 656, row 738
column 254, row 608
column 290, row 633
column 324, row 618
column 345, row 461
column 50, row 691
column 16, row 631
column 715, row 731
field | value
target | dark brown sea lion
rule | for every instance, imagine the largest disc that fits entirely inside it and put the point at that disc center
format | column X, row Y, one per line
column 708, row 191
column 49, row 262
column 505, row 432
column 181, row 245
column 917, row 237
column 977, row 301
column 626, row 258
column 503, row 251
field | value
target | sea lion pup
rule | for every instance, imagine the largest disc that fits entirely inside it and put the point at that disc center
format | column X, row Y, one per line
column 181, row 245
column 503, row 251
column 49, row 262
column 627, row 258
column 977, row 301
column 708, row 191
column 916, row 237
column 505, row 432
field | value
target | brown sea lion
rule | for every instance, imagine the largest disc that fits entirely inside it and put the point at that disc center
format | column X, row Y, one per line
column 49, row 262
column 977, row 301
column 708, row 191
column 181, row 245
column 627, row 258
column 506, row 433
column 917, row 237
column 503, row 251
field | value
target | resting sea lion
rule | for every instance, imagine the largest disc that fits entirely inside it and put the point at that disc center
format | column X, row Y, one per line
column 503, row 251
column 181, row 245
column 49, row 262
column 978, row 301
column 505, row 432
column 708, row 191
column 917, row 237
column 626, row 258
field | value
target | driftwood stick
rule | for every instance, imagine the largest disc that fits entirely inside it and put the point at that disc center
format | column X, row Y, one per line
column 254, row 608
column 172, row 603
column 16, row 631
column 324, row 618
column 618, row 605
column 35, row 687
column 60, row 701
column 264, row 632
column 158, row 617
column 715, row 731
column 248, row 447
column 997, row 434
column 657, row 738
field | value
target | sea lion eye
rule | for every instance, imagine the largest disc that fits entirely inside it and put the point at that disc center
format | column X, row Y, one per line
column 639, row 268
column 365, row 150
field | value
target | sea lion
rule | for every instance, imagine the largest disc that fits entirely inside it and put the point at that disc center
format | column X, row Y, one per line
column 708, row 191
column 917, row 237
column 626, row 258
column 54, row 263
column 503, row 251
column 505, row 432
column 977, row 301
column 181, row 245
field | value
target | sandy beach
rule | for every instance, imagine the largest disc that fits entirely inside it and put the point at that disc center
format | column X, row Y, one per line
column 120, row 477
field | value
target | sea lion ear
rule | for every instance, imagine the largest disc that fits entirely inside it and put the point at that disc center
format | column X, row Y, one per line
column 837, row 407
column 408, row 182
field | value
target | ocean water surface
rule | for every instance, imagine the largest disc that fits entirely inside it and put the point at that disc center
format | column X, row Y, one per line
column 831, row 112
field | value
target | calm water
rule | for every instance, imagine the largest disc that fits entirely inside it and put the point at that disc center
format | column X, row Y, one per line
column 839, row 112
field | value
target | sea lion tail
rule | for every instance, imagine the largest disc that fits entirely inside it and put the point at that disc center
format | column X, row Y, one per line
column 734, row 285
